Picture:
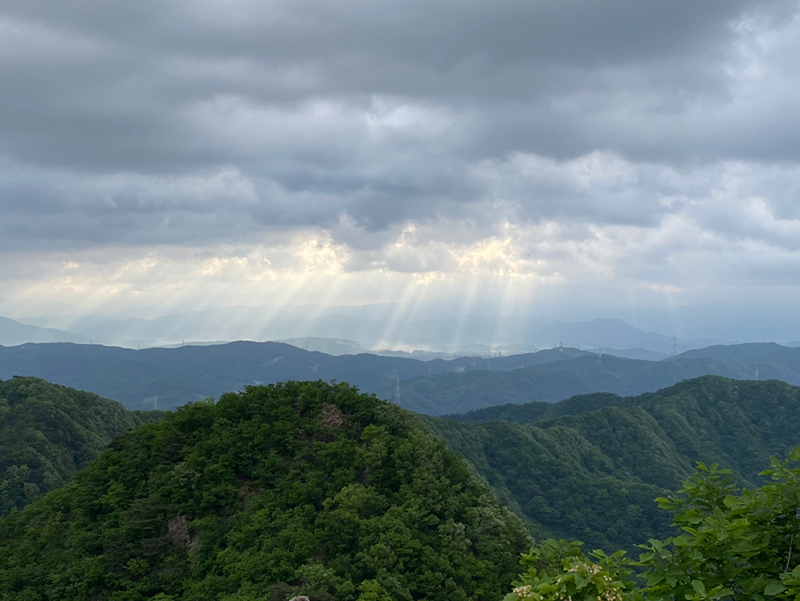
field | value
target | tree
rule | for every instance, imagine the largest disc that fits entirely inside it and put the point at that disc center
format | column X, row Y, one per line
column 730, row 546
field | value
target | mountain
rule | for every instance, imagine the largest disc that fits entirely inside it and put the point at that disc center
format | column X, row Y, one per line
column 13, row 333
column 49, row 432
column 590, row 467
column 375, row 327
column 745, row 319
column 294, row 489
column 329, row 346
column 439, row 394
column 750, row 352
column 637, row 353
column 169, row 377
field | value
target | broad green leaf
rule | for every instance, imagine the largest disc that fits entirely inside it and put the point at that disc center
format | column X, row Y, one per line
column 699, row 587
column 774, row 588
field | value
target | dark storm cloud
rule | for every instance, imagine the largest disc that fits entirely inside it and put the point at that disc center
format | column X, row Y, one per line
column 122, row 104
column 121, row 121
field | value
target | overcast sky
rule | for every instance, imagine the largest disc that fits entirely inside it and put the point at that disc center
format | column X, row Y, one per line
column 181, row 154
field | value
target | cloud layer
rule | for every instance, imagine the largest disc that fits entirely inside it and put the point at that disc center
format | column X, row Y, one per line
column 166, row 149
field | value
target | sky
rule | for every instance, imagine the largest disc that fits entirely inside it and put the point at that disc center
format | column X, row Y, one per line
column 563, row 157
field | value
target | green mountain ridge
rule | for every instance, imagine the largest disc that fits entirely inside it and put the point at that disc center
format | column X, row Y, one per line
column 49, row 432
column 167, row 378
column 296, row 488
column 590, row 467
column 312, row 488
column 444, row 394
column 170, row 377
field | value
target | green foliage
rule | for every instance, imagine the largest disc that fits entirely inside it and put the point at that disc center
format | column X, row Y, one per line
column 292, row 489
column 559, row 570
column 48, row 433
column 731, row 546
column 593, row 471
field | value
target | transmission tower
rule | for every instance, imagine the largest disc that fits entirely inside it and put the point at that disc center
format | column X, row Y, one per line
column 397, row 397
column 674, row 346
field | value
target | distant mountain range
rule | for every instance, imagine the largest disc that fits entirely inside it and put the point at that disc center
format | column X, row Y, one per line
column 473, row 334
column 438, row 394
column 169, row 377
column 741, row 320
column 13, row 333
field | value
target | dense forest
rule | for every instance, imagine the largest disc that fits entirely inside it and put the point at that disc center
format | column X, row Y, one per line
column 316, row 489
column 296, row 488
column 590, row 467
column 49, row 432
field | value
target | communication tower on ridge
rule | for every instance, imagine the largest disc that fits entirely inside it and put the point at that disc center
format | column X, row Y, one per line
column 397, row 398
column 674, row 346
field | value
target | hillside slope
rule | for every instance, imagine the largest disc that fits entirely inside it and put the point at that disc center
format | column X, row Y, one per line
column 49, row 432
column 593, row 472
column 298, row 488
column 440, row 394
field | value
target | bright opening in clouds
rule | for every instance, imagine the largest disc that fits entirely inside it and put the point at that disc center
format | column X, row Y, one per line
column 171, row 155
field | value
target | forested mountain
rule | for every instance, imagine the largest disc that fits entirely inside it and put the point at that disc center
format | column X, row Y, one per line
column 297, row 488
column 49, row 432
column 439, row 394
column 590, row 467
column 312, row 488
column 169, row 377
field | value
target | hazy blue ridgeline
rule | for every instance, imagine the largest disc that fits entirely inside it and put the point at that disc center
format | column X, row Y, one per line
column 167, row 378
